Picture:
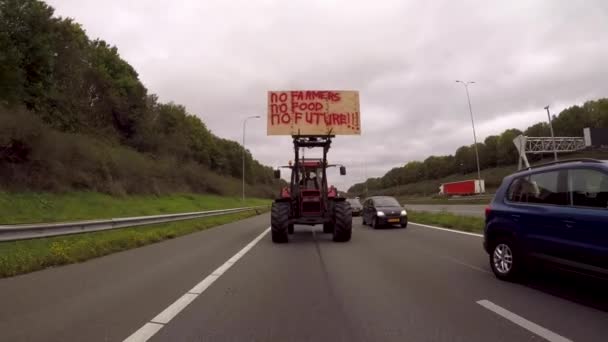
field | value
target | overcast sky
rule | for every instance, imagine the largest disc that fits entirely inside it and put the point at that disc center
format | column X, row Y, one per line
column 219, row 58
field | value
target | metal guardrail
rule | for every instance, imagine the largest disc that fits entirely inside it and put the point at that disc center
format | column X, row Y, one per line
column 40, row 230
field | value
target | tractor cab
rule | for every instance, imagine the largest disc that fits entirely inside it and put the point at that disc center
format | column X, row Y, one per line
column 311, row 182
column 310, row 175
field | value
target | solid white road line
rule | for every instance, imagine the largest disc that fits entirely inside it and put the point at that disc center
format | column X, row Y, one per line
column 172, row 310
column 203, row 285
column 144, row 333
column 522, row 322
column 149, row 329
column 446, row 229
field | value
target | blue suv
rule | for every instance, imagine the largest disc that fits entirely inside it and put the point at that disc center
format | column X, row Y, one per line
column 555, row 213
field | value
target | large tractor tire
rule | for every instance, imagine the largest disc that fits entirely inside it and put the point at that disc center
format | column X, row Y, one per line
column 343, row 222
column 328, row 227
column 279, row 222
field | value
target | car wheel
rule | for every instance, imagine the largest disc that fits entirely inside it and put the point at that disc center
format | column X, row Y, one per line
column 375, row 224
column 505, row 260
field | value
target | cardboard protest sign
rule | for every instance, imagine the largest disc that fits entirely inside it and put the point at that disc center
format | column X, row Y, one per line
column 313, row 112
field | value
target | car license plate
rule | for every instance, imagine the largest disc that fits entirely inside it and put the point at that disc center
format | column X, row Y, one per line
column 393, row 220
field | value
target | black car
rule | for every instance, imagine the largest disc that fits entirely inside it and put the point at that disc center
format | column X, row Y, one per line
column 383, row 210
column 356, row 206
column 555, row 213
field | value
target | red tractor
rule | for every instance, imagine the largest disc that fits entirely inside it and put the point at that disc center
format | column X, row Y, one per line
column 308, row 200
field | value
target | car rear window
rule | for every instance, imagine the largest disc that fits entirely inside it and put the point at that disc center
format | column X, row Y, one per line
column 386, row 202
column 541, row 188
column 354, row 202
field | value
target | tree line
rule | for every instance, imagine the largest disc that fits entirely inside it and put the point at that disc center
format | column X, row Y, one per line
column 66, row 89
column 496, row 150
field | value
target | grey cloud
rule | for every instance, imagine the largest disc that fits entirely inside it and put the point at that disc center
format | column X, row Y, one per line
column 219, row 58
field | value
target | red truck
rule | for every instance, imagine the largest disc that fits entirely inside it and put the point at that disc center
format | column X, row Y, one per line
column 463, row 188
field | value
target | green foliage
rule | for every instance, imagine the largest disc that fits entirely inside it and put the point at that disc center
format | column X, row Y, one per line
column 392, row 178
column 540, row 129
column 490, row 151
column 26, row 30
column 32, row 207
column 571, row 121
column 412, row 171
column 506, row 153
column 437, row 167
column 74, row 115
column 416, row 178
column 465, row 159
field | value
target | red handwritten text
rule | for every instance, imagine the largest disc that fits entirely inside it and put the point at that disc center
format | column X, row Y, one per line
column 316, row 112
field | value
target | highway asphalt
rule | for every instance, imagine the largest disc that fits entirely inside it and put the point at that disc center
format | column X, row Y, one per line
column 413, row 284
column 477, row 210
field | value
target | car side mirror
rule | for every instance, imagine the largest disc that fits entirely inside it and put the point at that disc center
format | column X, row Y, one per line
column 342, row 171
column 277, row 173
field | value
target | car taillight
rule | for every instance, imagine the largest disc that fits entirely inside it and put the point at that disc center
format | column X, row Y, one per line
column 488, row 210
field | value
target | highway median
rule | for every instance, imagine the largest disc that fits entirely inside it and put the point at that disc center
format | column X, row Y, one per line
column 448, row 220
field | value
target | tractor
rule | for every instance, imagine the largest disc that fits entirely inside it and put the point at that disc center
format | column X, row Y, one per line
column 308, row 200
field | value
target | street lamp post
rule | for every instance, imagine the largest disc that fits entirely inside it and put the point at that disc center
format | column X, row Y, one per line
column 466, row 87
column 244, row 125
column 552, row 136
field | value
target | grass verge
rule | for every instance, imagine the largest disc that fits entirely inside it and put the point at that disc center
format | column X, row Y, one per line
column 448, row 220
column 18, row 257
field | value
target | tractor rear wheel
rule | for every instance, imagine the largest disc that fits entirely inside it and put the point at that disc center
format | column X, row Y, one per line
column 328, row 227
column 279, row 222
column 343, row 222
